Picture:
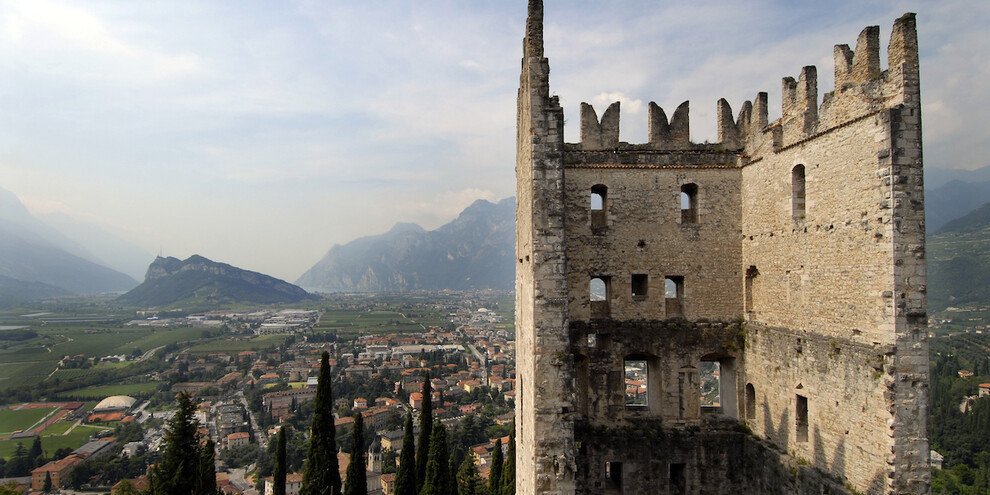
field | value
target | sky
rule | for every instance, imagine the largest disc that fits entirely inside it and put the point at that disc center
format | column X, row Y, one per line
column 261, row 133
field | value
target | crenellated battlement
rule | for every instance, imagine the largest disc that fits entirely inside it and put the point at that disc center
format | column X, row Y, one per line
column 860, row 88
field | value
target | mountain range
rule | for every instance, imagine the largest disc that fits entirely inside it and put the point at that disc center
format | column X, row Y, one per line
column 199, row 282
column 58, row 254
column 32, row 251
column 474, row 251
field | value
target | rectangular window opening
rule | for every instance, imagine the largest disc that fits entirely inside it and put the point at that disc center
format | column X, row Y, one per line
column 636, row 380
column 711, row 386
column 640, row 285
column 801, row 418
column 613, row 475
column 677, row 478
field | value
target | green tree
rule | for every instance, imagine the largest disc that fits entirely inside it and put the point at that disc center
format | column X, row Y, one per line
column 321, row 475
column 278, row 477
column 178, row 470
column 468, row 480
column 495, row 475
column 356, row 482
column 19, row 464
column 207, row 480
column 47, row 488
column 509, row 468
column 126, row 487
column 405, row 474
column 425, row 432
column 451, row 474
column 36, row 455
column 437, row 473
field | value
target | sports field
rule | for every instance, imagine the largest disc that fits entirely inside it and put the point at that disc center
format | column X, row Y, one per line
column 12, row 420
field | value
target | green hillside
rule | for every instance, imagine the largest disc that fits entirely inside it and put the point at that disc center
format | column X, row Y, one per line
column 959, row 262
column 200, row 283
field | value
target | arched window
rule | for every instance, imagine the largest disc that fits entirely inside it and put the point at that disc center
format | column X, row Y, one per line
column 797, row 192
column 689, row 203
column 599, row 201
column 599, row 296
column 750, row 401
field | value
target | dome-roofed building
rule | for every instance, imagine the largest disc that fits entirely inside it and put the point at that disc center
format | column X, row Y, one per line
column 115, row 403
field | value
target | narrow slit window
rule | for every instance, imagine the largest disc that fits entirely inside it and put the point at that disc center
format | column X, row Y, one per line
column 636, row 380
column 797, row 192
column 640, row 285
column 801, row 418
column 599, row 195
column 598, row 295
column 689, row 203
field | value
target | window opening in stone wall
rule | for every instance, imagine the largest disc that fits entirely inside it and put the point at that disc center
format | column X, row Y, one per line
column 711, row 386
column 598, row 292
column 640, row 285
column 689, row 203
column 751, row 274
column 599, row 197
column 674, row 295
column 801, row 418
column 797, row 192
column 613, row 475
column 636, row 380
column 677, row 478
column 750, row 401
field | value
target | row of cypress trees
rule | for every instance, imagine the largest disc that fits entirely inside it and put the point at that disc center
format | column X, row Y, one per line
column 425, row 468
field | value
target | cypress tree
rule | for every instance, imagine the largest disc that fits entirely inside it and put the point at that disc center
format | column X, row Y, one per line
column 468, row 480
column 357, row 473
column 495, row 475
column 405, row 475
column 36, row 455
column 321, row 476
column 437, row 474
column 452, row 475
column 509, row 468
column 425, row 432
column 207, row 482
column 178, row 472
column 48, row 482
column 278, row 475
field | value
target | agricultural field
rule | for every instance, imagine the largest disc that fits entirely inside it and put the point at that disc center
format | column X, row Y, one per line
column 35, row 359
column 239, row 344
column 348, row 324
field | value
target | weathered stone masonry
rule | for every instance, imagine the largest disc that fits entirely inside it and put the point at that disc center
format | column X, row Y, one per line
column 790, row 252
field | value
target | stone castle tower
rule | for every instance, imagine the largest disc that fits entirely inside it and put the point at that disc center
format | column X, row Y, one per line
column 747, row 316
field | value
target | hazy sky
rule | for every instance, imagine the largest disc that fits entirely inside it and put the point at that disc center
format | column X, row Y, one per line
column 261, row 133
